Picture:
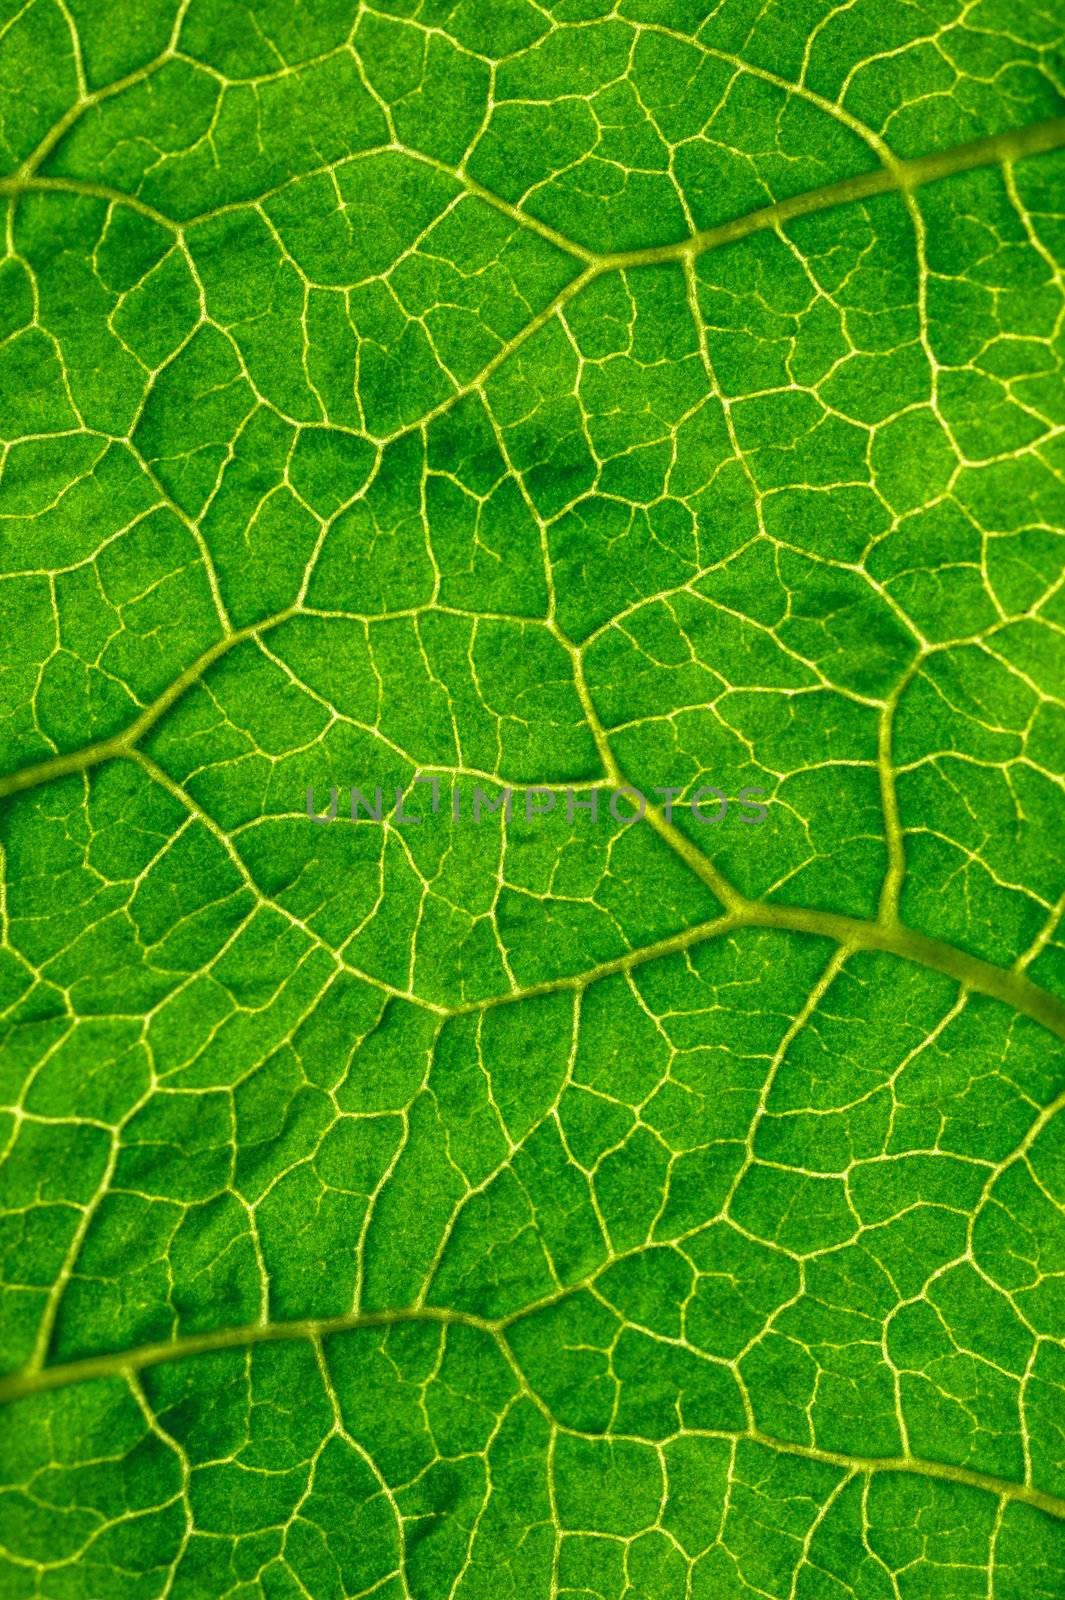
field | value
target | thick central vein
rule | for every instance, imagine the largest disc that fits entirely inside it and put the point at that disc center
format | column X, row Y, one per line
column 888, row 935
column 21, row 1386
column 1014, row 144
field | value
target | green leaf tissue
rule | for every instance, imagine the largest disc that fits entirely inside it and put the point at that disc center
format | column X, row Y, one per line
column 532, row 843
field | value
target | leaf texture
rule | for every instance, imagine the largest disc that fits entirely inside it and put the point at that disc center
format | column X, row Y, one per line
column 552, row 397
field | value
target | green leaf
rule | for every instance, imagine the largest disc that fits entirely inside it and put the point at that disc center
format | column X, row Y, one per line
column 508, row 405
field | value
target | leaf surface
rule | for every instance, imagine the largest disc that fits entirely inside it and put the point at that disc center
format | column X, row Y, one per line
column 558, row 399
